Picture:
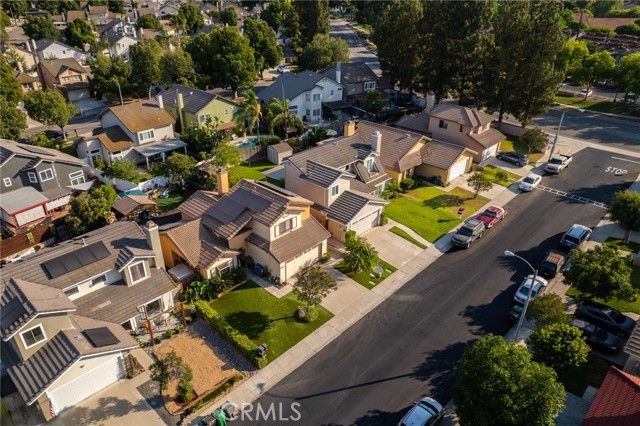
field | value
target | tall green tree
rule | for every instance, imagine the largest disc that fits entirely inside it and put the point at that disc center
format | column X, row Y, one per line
column 497, row 384
column 572, row 55
column 179, row 21
column 229, row 16
column 324, row 51
column 109, row 73
column 313, row 18
column 312, row 285
column 278, row 118
column 79, row 33
column 148, row 21
column 373, row 102
column 250, row 109
column 548, row 309
column 599, row 66
column 601, row 273
column 625, row 210
column 12, row 120
column 601, row 8
column 193, row 17
column 15, row 8
column 177, row 167
column 267, row 53
column 115, row 6
column 177, row 67
column 360, row 256
column 89, row 211
column 559, row 346
column 276, row 14
column 536, row 140
column 50, row 108
column 479, row 183
column 10, row 87
column 145, row 64
column 628, row 74
column 38, row 27
column 121, row 169
column 225, row 155
column 15, row 60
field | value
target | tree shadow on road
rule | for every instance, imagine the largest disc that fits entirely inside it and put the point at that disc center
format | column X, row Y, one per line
column 380, row 418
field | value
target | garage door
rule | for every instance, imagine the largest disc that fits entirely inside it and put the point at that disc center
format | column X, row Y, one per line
column 458, row 169
column 369, row 221
column 88, row 384
column 294, row 265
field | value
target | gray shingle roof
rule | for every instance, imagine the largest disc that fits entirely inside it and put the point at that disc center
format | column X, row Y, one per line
column 40, row 153
column 194, row 99
column 293, row 85
column 347, row 206
column 197, row 203
column 21, row 199
column 441, row 154
column 335, row 153
column 460, row 114
column 351, row 72
column 395, row 146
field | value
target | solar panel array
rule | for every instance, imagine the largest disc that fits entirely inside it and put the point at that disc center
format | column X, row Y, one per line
column 76, row 259
column 35, row 150
column 101, row 336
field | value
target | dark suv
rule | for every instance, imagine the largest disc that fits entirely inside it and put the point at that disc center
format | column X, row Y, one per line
column 606, row 317
column 552, row 264
column 469, row 232
column 513, row 158
column 575, row 236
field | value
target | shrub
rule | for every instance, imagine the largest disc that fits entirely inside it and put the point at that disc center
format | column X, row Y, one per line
column 407, row 183
column 99, row 164
column 302, row 314
column 325, row 257
column 502, row 176
column 185, row 387
column 394, row 188
column 249, row 262
column 239, row 340
column 168, row 333
column 384, row 219
column 158, row 339
column 435, row 180
column 213, row 395
column 632, row 29
column 269, row 140
column 601, row 29
column 130, row 374
column 177, row 329
column 237, row 274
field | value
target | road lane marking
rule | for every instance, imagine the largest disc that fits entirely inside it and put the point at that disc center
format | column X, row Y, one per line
column 573, row 197
column 624, row 159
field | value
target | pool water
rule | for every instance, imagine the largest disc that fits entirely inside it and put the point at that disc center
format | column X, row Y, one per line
column 247, row 143
column 131, row 192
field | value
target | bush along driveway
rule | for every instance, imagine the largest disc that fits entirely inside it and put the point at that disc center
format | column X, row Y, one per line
column 432, row 212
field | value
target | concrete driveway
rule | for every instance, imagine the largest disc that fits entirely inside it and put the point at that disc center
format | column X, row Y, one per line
column 392, row 249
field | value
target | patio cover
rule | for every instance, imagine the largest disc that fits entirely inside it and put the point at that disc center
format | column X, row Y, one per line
column 180, row 272
column 22, row 199
column 159, row 147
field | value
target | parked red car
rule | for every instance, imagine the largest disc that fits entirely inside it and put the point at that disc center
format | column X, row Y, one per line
column 492, row 215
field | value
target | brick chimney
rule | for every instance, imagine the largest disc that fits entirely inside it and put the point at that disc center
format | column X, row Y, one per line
column 222, row 176
column 153, row 241
column 349, row 128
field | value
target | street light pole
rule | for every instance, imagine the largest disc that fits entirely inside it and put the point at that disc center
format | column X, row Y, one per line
column 533, row 283
column 555, row 139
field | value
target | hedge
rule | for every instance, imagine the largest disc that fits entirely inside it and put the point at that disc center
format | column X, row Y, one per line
column 213, row 395
column 239, row 340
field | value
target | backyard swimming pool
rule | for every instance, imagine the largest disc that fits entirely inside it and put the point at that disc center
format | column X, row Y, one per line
column 247, row 143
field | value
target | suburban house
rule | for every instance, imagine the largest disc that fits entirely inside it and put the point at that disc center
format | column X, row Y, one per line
column 307, row 91
column 27, row 82
column 116, row 28
column 343, row 177
column 189, row 106
column 47, row 48
column 36, row 182
column 457, row 125
column 139, row 131
column 68, row 312
column 617, row 402
column 279, row 152
column 406, row 154
column 67, row 76
column 356, row 77
column 120, row 44
column 272, row 226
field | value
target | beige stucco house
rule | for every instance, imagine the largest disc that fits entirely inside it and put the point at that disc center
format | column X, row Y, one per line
column 67, row 76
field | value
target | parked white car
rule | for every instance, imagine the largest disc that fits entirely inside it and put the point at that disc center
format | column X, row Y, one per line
column 425, row 412
column 584, row 92
column 521, row 295
column 282, row 69
column 529, row 183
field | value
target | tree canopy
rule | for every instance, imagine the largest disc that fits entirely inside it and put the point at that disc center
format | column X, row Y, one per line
column 148, row 21
column 313, row 19
column 192, row 17
column 79, row 33
column 177, row 167
column 121, row 169
column 628, row 73
column 10, row 88
column 145, row 63
column 50, row 108
column 360, row 256
column 547, row 309
column 512, row 390
column 263, row 40
column 312, row 285
column 536, row 140
column 598, row 66
column 38, row 27
column 559, row 346
column 13, row 120
column 625, row 210
column 324, row 51
column 229, row 16
column 479, row 183
column 89, row 211
column 108, row 72
column 177, row 67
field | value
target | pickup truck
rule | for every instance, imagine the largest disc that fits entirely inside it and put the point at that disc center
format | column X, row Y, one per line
column 557, row 163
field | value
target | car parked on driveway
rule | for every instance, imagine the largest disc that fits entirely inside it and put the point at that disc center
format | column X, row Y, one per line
column 606, row 317
column 529, row 183
column 468, row 233
column 425, row 412
column 521, row 295
column 492, row 215
column 575, row 236
column 513, row 158
column 597, row 337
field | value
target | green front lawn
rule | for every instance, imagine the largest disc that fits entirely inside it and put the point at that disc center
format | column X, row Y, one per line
column 593, row 105
column 432, row 212
column 512, row 143
column 619, row 305
column 591, row 373
column 631, row 246
column 173, row 201
column 365, row 278
column 264, row 318
column 490, row 172
column 404, row 234
column 251, row 171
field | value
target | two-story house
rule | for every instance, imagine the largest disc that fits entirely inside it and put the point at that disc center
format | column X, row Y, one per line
column 120, row 45
column 139, row 131
column 27, row 82
column 189, row 106
column 356, row 77
column 67, row 76
column 52, row 49
column 257, row 219
column 68, row 311
column 306, row 91
column 344, row 177
column 36, row 182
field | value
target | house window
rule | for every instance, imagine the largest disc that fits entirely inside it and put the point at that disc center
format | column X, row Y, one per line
column 316, row 112
column 379, row 189
column 370, row 164
column 307, row 97
column 461, row 128
column 76, row 177
column 369, row 85
column 97, row 280
column 307, row 112
column 286, row 226
column 332, row 93
column 204, row 118
column 33, row 336
column 316, row 97
column 226, row 112
column 73, row 290
column 335, row 190
column 137, row 272
column 144, row 136
column 95, row 155
column 32, row 177
column 6, row 181
column 46, row 175
column 153, row 307
column 116, row 155
column 442, row 124
column 293, row 109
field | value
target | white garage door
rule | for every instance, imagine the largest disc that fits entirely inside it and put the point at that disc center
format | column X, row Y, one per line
column 294, row 265
column 88, row 384
column 369, row 221
column 458, row 169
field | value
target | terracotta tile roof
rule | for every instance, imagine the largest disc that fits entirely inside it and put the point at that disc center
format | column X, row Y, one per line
column 441, row 154
column 461, row 114
column 617, row 403
column 130, row 203
column 138, row 116
column 291, row 245
column 395, row 146
column 349, row 204
column 114, row 139
column 24, row 78
column 195, row 206
column 72, row 15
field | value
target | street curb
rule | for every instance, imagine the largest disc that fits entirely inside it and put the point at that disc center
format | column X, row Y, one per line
column 605, row 114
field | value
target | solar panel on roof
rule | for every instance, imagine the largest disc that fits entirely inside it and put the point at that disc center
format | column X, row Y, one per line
column 34, row 150
column 76, row 259
column 101, row 336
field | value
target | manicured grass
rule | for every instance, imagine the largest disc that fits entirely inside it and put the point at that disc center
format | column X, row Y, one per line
column 174, row 200
column 365, row 278
column 432, row 212
column 266, row 319
column 69, row 149
column 631, row 246
column 619, row 305
column 250, row 170
column 591, row 373
column 490, row 172
column 404, row 234
column 512, row 143
column 142, row 177
column 593, row 105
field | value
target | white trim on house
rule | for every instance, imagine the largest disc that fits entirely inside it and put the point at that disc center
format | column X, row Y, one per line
column 331, row 194
column 149, row 256
column 44, row 171
column 44, row 335
column 7, row 338
column 144, row 269
column 33, row 178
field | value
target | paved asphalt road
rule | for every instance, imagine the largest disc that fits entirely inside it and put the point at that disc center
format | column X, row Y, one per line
column 357, row 51
column 409, row 345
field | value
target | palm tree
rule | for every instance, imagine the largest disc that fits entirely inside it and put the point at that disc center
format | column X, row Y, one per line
column 250, row 109
column 278, row 112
